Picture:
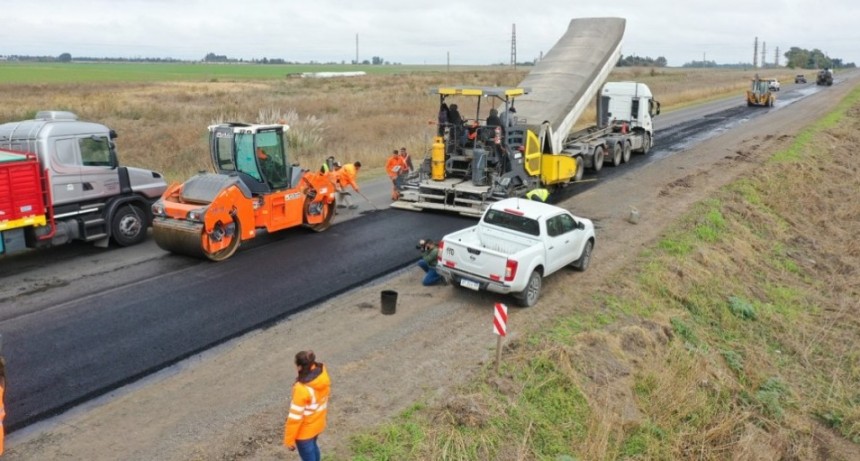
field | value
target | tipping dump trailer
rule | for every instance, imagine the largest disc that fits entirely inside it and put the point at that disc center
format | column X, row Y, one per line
column 530, row 145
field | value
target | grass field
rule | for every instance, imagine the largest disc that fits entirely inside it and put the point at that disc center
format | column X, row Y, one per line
column 161, row 111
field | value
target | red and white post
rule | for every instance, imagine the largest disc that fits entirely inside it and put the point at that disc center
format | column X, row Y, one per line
column 500, row 327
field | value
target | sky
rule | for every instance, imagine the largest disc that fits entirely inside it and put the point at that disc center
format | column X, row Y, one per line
column 420, row 32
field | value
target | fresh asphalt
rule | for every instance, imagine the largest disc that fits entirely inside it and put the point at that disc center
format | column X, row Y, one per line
column 68, row 353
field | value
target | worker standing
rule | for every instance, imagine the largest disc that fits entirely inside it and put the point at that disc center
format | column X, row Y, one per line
column 308, row 407
column 539, row 195
column 407, row 159
column 2, row 402
column 346, row 176
column 395, row 167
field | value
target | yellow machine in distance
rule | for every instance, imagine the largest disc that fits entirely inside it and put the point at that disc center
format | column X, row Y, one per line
column 759, row 93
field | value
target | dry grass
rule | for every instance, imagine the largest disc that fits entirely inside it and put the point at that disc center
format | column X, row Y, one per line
column 162, row 126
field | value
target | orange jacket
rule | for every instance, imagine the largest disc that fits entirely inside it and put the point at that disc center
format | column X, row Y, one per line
column 395, row 166
column 347, row 176
column 308, row 408
column 2, row 415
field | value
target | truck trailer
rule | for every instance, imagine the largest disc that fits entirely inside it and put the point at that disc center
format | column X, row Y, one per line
column 60, row 181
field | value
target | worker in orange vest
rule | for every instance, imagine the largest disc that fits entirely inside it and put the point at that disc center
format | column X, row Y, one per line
column 396, row 168
column 2, row 401
column 345, row 176
column 308, row 407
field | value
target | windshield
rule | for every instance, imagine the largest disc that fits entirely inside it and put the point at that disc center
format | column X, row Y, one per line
column 513, row 222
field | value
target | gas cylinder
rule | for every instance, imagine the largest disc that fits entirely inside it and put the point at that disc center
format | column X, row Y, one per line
column 437, row 159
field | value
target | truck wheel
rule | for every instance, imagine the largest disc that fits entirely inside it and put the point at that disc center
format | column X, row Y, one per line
column 530, row 295
column 616, row 154
column 625, row 155
column 597, row 159
column 128, row 225
column 580, row 168
column 584, row 260
column 646, row 143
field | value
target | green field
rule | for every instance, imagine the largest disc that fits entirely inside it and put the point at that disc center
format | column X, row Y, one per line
column 76, row 72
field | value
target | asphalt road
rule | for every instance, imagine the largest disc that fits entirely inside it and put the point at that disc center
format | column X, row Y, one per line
column 71, row 345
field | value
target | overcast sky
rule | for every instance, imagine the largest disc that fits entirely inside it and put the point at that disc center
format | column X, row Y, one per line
column 409, row 32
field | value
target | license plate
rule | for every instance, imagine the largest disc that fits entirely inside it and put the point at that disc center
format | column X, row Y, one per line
column 470, row 284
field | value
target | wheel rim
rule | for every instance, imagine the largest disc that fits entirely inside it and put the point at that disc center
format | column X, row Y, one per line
column 616, row 157
column 533, row 289
column 130, row 226
column 626, row 155
column 219, row 233
column 580, row 168
column 598, row 159
column 586, row 258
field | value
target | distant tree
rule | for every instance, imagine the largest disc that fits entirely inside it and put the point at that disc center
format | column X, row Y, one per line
column 637, row 61
column 377, row 61
column 212, row 57
column 65, row 57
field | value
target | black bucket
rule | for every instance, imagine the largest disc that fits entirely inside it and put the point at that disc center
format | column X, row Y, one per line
column 389, row 302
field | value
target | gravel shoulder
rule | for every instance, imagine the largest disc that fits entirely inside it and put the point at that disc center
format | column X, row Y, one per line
column 230, row 402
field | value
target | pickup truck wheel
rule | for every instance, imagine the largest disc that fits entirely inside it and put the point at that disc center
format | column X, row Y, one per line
column 597, row 160
column 530, row 295
column 625, row 155
column 584, row 260
column 128, row 226
column 616, row 155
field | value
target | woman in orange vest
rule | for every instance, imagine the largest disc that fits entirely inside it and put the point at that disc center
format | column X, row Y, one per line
column 2, row 401
column 308, row 407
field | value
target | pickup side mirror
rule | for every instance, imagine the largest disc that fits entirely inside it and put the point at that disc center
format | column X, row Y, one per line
column 580, row 225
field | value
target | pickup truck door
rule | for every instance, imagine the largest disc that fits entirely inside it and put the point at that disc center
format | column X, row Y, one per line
column 563, row 240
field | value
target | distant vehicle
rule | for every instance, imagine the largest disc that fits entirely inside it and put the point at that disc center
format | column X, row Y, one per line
column 760, row 93
column 773, row 84
column 515, row 245
column 825, row 77
column 800, row 78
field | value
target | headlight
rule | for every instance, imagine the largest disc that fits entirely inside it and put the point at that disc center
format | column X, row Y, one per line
column 196, row 215
column 158, row 208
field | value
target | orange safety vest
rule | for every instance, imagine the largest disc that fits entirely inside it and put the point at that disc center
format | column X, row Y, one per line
column 347, row 176
column 2, row 416
column 308, row 409
column 395, row 166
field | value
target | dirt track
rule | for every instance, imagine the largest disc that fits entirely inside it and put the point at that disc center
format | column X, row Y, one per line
column 230, row 402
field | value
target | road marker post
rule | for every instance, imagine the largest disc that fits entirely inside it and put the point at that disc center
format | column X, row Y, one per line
column 500, row 328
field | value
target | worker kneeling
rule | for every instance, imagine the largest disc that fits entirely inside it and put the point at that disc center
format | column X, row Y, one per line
column 538, row 195
column 428, row 261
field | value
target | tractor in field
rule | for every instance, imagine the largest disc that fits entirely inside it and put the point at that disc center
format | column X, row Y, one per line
column 254, row 189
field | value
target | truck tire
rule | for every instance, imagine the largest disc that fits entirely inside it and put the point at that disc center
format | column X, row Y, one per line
column 529, row 296
column 128, row 225
column 580, row 168
column 616, row 154
column 597, row 159
column 584, row 260
column 625, row 155
column 646, row 143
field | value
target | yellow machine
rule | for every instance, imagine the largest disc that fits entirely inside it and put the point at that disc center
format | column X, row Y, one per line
column 255, row 189
column 759, row 93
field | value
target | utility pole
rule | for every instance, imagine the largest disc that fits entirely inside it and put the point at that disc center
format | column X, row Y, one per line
column 514, row 46
column 755, row 53
column 776, row 57
column 356, row 48
column 763, row 53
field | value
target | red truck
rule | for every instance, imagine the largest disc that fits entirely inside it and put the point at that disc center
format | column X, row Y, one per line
column 20, row 173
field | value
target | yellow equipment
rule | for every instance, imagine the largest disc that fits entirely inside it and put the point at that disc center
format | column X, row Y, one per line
column 255, row 189
column 759, row 93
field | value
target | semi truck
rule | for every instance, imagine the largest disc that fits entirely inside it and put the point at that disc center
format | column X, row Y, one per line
column 480, row 160
column 61, row 181
column 824, row 78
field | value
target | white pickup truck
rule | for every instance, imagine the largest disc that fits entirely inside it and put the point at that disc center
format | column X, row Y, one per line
column 516, row 244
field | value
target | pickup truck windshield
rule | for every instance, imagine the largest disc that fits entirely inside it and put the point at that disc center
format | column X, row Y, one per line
column 513, row 222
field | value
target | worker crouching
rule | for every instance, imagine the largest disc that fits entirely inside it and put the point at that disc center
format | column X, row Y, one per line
column 427, row 263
